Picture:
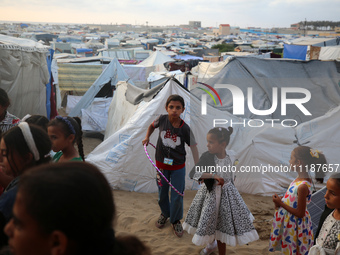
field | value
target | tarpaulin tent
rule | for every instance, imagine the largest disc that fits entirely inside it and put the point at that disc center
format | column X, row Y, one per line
column 111, row 74
column 295, row 51
column 24, row 74
column 122, row 159
column 320, row 78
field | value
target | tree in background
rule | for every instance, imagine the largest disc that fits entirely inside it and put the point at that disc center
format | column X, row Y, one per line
column 223, row 47
column 317, row 25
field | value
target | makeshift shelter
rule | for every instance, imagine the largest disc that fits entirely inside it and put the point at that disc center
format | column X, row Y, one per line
column 301, row 48
column 78, row 77
column 157, row 59
column 112, row 74
column 24, row 74
column 205, row 70
column 139, row 74
column 330, row 53
column 120, row 156
column 320, row 78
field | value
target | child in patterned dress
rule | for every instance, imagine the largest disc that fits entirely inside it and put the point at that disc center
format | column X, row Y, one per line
column 218, row 215
column 328, row 239
column 292, row 225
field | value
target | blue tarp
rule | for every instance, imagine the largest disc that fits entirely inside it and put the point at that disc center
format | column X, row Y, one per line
column 49, row 59
column 294, row 51
column 84, row 50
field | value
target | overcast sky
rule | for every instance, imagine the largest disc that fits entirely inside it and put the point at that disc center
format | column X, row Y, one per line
column 243, row 13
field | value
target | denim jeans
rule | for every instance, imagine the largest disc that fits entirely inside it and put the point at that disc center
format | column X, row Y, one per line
column 172, row 208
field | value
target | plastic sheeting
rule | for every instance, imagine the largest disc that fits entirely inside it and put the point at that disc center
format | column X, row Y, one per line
column 139, row 74
column 112, row 73
column 295, row 51
column 122, row 159
column 94, row 118
column 78, row 77
column 157, row 58
column 24, row 75
column 320, row 78
column 330, row 53
column 205, row 70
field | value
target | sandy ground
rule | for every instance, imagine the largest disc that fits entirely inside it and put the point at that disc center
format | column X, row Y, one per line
column 138, row 212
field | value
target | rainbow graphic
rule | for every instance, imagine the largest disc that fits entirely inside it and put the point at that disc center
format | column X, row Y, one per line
column 209, row 93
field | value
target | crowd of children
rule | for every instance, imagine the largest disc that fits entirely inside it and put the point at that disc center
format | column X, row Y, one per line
column 49, row 208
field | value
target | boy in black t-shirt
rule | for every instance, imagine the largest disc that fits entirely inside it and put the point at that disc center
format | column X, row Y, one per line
column 170, row 159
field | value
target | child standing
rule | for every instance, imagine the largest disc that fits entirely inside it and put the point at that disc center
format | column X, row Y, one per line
column 328, row 239
column 292, row 225
column 170, row 158
column 218, row 211
column 64, row 132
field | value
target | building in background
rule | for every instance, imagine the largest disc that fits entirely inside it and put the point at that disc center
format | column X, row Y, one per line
column 195, row 24
column 224, row 29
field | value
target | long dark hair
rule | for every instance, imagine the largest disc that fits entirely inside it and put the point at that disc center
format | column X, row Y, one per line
column 70, row 126
column 222, row 135
column 74, row 198
column 4, row 99
column 16, row 144
column 38, row 120
column 312, row 158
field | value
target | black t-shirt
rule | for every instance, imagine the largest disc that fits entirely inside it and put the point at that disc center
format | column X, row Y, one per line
column 171, row 142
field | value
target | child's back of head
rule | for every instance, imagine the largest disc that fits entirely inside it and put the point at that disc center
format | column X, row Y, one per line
column 314, row 160
column 73, row 198
column 38, row 120
column 22, row 140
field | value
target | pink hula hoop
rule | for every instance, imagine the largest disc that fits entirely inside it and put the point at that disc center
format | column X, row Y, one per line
column 159, row 171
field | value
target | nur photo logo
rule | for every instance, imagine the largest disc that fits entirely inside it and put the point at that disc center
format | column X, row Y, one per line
column 280, row 97
column 204, row 97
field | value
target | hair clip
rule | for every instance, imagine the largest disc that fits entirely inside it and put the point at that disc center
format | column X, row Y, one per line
column 68, row 123
column 314, row 153
column 220, row 129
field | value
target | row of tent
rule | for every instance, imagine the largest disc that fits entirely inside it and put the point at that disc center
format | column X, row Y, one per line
column 132, row 109
column 24, row 74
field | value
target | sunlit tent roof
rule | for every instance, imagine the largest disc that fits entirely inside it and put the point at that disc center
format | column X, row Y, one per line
column 156, row 58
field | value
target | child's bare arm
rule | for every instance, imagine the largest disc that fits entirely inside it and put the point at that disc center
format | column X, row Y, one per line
column 148, row 133
column 301, row 203
column 194, row 152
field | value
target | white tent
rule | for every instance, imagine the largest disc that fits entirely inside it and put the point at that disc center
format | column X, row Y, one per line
column 156, row 59
column 330, row 53
column 112, row 73
column 24, row 75
column 139, row 74
column 122, row 159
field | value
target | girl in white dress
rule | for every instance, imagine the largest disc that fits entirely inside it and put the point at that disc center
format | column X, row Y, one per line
column 218, row 212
